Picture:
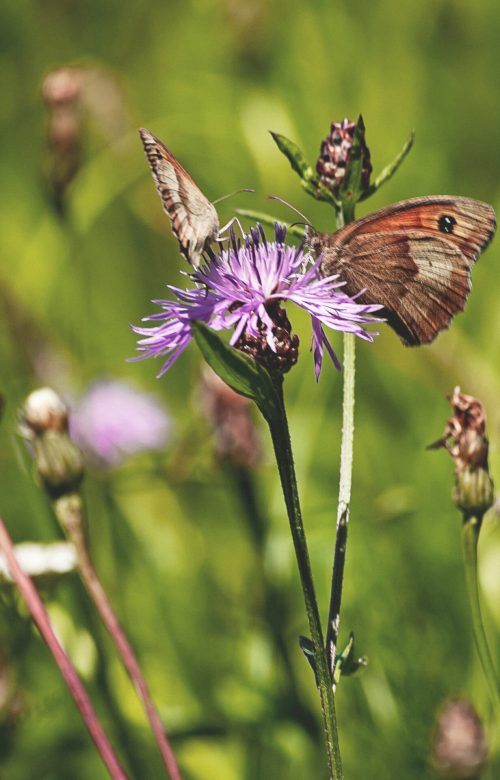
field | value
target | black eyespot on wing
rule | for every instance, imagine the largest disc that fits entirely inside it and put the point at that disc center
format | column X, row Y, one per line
column 446, row 223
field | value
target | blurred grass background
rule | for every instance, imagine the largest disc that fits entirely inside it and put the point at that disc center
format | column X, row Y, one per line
column 213, row 609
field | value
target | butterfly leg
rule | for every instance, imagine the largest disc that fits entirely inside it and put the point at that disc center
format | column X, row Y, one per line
column 225, row 228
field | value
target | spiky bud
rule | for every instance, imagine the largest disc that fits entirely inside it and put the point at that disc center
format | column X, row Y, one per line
column 335, row 152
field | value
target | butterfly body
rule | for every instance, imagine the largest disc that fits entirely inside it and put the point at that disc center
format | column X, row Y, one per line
column 194, row 219
column 414, row 258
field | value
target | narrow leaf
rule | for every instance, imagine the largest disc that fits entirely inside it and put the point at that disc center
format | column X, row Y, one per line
column 317, row 189
column 346, row 662
column 307, row 648
column 244, row 375
column 390, row 169
column 294, row 155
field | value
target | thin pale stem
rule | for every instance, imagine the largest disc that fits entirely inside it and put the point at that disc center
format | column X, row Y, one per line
column 39, row 615
column 282, row 447
column 470, row 536
column 345, row 481
column 69, row 511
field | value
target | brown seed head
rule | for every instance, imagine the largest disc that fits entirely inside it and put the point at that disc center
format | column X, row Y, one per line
column 464, row 438
column 464, row 435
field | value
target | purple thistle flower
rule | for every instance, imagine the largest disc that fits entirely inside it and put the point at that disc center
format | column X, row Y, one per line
column 113, row 421
column 239, row 287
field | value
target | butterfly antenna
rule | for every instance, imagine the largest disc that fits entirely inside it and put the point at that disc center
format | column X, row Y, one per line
column 285, row 203
column 236, row 192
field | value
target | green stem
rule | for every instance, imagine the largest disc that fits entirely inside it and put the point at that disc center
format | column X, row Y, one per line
column 282, row 447
column 344, row 500
column 471, row 529
column 275, row 599
column 346, row 455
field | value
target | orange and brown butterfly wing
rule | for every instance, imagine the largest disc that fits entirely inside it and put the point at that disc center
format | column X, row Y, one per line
column 414, row 258
column 194, row 219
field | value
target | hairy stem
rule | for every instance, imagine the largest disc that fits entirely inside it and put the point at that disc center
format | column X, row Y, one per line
column 344, row 500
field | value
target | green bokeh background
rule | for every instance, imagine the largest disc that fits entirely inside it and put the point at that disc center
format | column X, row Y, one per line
column 205, row 606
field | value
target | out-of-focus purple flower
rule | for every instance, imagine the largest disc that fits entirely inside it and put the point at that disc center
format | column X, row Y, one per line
column 113, row 421
column 238, row 289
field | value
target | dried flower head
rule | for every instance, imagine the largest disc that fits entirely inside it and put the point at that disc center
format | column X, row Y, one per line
column 464, row 438
column 464, row 435
column 335, row 154
column 459, row 744
column 71, row 96
column 241, row 289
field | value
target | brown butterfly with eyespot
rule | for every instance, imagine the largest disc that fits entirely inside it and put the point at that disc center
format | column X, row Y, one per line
column 414, row 257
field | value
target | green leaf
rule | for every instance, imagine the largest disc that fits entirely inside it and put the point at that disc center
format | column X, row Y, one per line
column 390, row 169
column 310, row 182
column 346, row 662
column 244, row 375
column 317, row 189
column 294, row 155
column 307, row 648
column 267, row 219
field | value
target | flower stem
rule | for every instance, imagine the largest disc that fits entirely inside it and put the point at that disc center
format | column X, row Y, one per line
column 69, row 512
column 346, row 454
column 470, row 536
column 344, row 500
column 276, row 601
column 40, row 617
column 282, row 447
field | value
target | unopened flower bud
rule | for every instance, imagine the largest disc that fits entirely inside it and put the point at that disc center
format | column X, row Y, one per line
column 459, row 744
column 464, row 438
column 335, row 155
column 44, row 410
column 473, row 492
column 44, row 425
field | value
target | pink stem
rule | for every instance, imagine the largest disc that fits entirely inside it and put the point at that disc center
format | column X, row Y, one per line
column 124, row 648
column 39, row 615
column 69, row 513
